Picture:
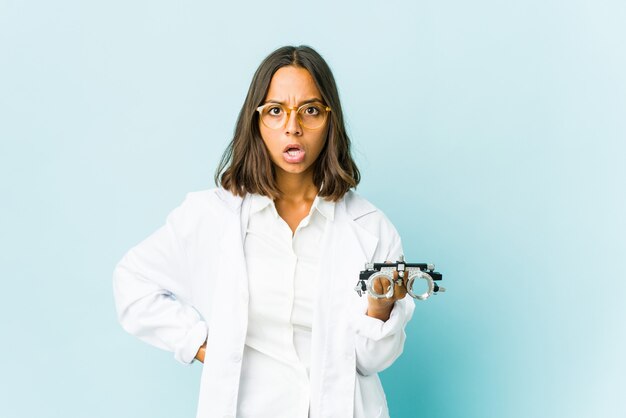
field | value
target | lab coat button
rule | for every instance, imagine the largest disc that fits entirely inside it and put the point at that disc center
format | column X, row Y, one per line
column 236, row 357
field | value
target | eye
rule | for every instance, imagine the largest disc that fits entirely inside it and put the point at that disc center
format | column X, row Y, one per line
column 274, row 110
column 312, row 110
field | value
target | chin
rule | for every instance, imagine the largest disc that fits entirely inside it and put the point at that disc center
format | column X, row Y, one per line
column 295, row 168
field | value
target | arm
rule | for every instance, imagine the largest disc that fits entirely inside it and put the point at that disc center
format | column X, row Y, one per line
column 380, row 334
column 379, row 343
column 151, row 289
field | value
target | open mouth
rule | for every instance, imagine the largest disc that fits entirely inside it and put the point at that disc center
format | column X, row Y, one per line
column 293, row 153
column 292, row 149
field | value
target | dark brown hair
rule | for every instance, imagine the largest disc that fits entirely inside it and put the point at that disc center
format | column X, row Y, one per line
column 246, row 166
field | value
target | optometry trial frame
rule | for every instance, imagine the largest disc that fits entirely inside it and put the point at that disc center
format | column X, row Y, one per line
column 383, row 273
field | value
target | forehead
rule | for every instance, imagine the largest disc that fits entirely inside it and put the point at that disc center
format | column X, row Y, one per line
column 292, row 83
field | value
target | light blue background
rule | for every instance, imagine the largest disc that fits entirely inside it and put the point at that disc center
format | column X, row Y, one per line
column 490, row 132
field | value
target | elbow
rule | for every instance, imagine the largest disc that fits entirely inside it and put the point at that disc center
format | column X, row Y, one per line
column 374, row 357
column 367, row 367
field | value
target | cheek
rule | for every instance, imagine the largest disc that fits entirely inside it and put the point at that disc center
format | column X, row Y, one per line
column 268, row 140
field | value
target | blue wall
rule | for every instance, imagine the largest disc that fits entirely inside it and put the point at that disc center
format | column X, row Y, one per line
column 491, row 133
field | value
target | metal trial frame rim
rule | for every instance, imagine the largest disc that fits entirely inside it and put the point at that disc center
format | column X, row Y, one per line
column 429, row 281
column 375, row 294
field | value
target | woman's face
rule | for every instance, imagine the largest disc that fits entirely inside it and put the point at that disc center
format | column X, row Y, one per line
column 293, row 148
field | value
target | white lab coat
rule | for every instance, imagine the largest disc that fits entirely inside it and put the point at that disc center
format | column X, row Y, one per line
column 187, row 283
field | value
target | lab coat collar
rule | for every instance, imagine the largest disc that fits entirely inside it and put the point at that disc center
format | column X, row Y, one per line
column 232, row 201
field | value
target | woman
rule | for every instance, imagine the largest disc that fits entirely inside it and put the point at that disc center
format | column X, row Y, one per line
column 255, row 278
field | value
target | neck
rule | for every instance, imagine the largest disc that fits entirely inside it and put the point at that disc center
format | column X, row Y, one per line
column 296, row 187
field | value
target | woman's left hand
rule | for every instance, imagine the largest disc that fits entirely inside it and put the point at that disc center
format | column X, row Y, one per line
column 381, row 308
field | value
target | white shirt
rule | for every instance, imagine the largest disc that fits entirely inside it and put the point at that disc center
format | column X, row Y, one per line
column 283, row 271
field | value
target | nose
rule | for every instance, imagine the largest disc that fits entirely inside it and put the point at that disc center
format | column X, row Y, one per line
column 293, row 125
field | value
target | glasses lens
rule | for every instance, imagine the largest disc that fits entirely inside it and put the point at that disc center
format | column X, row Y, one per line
column 273, row 116
column 313, row 115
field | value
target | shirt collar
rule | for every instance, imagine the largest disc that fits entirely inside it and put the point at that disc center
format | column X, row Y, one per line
column 259, row 202
column 325, row 207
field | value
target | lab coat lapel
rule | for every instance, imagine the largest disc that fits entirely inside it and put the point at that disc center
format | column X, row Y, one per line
column 347, row 246
column 229, row 317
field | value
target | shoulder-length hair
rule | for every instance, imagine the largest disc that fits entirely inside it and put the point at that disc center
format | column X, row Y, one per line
column 246, row 166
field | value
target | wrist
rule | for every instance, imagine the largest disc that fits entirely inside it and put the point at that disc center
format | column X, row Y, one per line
column 380, row 312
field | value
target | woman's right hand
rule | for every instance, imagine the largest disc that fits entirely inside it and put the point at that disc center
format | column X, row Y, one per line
column 201, row 352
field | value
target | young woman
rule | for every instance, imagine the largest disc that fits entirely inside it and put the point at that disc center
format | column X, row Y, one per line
column 255, row 278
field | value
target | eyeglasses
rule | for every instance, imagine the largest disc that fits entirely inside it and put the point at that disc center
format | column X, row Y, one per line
column 310, row 115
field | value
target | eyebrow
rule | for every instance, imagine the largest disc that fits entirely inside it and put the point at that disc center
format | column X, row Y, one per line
column 312, row 100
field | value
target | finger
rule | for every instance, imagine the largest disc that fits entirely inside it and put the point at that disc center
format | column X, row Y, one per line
column 400, row 287
column 400, row 281
column 386, row 284
column 381, row 285
column 378, row 286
